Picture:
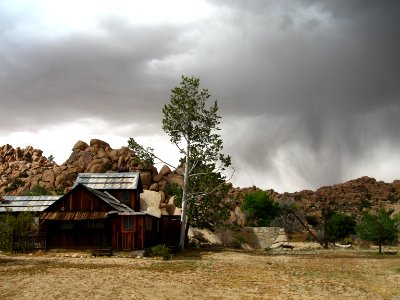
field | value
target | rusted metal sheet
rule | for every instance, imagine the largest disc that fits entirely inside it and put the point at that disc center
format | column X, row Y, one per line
column 73, row 215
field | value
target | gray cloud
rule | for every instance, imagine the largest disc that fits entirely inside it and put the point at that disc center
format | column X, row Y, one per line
column 307, row 89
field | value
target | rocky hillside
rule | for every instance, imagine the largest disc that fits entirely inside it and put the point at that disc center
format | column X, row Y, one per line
column 351, row 197
column 21, row 169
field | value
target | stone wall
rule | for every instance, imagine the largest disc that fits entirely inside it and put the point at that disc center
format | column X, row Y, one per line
column 264, row 237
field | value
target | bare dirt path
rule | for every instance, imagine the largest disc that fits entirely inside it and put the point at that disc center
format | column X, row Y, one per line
column 226, row 274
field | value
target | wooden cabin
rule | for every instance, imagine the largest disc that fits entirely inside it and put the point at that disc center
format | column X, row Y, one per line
column 87, row 217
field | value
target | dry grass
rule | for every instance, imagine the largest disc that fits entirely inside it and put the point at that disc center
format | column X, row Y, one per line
column 200, row 274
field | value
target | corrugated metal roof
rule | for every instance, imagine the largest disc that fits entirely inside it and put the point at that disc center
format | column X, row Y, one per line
column 27, row 203
column 109, row 181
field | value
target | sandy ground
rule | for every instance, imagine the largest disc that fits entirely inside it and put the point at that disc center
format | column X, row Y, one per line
column 204, row 274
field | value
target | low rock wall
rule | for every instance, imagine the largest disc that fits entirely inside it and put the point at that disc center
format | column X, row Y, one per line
column 262, row 237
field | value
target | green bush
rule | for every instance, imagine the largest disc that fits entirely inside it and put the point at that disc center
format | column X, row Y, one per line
column 339, row 227
column 38, row 190
column 160, row 251
column 260, row 209
column 23, row 224
column 14, row 185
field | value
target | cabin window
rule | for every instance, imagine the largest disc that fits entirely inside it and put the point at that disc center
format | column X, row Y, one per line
column 95, row 224
column 128, row 223
column 149, row 224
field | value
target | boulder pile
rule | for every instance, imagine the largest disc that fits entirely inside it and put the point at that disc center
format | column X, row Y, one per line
column 21, row 169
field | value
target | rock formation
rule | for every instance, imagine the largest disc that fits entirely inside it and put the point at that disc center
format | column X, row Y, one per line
column 21, row 169
column 352, row 197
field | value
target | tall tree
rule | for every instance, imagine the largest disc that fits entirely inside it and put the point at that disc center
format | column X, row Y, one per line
column 193, row 129
column 380, row 228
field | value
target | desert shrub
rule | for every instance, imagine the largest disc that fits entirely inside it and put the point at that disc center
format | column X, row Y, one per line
column 160, row 251
column 38, row 190
column 14, row 185
column 365, row 203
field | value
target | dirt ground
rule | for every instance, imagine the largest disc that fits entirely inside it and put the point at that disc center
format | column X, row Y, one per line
column 204, row 274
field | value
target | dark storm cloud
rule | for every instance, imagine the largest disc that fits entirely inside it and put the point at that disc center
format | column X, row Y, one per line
column 329, row 69
column 106, row 74
column 307, row 89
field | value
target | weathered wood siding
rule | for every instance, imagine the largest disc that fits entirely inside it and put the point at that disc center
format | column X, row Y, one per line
column 80, row 199
column 78, row 234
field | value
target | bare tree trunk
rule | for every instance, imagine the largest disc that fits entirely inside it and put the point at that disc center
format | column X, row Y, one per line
column 184, row 199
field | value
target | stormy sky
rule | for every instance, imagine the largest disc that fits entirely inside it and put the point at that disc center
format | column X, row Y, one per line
column 309, row 91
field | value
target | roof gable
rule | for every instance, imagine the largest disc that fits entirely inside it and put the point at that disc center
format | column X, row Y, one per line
column 112, row 203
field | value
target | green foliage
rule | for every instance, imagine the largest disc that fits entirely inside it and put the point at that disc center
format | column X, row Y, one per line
column 208, row 206
column 38, row 190
column 160, row 251
column 339, row 227
column 173, row 189
column 259, row 209
column 365, row 203
column 380, row 229
column 22, row 224
column 143, row 156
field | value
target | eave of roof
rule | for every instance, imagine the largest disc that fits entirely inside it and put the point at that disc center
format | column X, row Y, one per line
column 27, row 203
column 73, row 215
